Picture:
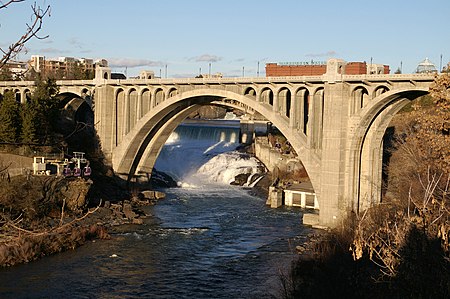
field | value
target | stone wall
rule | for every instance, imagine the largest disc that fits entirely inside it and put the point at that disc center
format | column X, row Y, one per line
column 272, row 158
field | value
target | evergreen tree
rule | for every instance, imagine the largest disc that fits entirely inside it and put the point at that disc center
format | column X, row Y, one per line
column 46, row 108
column 6, row 74
column 29, row 133
column 9, row 118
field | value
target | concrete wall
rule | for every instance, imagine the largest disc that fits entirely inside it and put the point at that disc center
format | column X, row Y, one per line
column 17, row 164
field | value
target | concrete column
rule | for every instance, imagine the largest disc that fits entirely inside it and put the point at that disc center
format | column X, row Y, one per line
column 288, row 198
column 139, row 106
column 126, row 112
column 104, row 118
column 275, row 197
column 293, row 115
column 23, row 96
column 152, row 100
column 332, row 204
column 303, row 200
column 275, row 107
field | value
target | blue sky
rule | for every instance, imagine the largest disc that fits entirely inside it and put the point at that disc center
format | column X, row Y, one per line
column 187, row 35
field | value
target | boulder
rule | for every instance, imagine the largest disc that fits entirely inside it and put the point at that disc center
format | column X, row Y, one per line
column 128, row 211
column 150, row 194
column 240, row 179
column 73, row 192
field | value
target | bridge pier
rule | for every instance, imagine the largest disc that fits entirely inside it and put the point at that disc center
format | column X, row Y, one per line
column 333, row 204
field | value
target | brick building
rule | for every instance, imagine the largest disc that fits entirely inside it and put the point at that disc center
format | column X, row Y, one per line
column 319, row 68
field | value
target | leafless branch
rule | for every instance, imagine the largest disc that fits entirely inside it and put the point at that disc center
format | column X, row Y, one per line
column 4, row 5
column 32, row 31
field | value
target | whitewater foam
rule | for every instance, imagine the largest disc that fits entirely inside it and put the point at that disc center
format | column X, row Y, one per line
column 196, row 154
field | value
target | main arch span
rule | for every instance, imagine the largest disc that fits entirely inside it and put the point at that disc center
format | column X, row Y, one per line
column 142, row 145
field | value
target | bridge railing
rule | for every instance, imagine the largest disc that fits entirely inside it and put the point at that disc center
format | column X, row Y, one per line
column 227, row 80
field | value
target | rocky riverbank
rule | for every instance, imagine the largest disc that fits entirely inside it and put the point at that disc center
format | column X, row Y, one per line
column 43, row 215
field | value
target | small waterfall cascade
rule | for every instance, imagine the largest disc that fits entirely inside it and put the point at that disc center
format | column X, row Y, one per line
column 204, row 152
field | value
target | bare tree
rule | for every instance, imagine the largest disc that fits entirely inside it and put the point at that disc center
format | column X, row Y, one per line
column 32, row 30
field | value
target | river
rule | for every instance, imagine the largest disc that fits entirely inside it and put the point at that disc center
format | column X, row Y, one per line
column 209, row 240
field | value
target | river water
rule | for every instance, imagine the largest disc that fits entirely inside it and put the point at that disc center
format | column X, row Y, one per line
column 209, row 240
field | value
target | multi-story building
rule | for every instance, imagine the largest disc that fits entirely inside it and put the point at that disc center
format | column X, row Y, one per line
column 63, row 66
column 17, row 69
column 317, row 68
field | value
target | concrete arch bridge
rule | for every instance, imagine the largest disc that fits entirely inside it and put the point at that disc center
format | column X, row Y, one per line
column 334, row 122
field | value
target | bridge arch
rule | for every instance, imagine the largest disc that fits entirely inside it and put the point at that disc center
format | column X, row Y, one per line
column 159, row 96
column 379, row 90
column 172, row 92
column 146, row 97
column 140, row 148
column 359, row 97
column 118, row 116
column 366, row 148
column 316, row 111
column 26, row 95
column 302, row 108
column 284, row 101
column 267, row 96
column 132, row 105
column 251, row 92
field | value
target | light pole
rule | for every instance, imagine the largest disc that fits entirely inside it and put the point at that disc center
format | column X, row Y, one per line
column 209, row 70
column 257, row 70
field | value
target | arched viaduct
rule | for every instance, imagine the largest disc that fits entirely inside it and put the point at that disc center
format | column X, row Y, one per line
column 334, row 122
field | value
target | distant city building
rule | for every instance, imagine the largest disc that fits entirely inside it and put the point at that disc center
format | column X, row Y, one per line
column 63, row 65
column 317, row 68
column 17, row 69
column 216, row 75
column 147, row 75
column 426, row 66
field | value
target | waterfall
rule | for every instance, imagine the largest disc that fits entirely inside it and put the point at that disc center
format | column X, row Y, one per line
column 203, row 152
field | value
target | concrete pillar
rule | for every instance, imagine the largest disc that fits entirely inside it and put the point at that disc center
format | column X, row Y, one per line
column 332, row 174
column 303, row 200
column 275, row 107
column 139, row 106
column 293, row 112
column 288, row 198
column 126, row 112
column 152, row 100
column 275, row 197
column 104, row 118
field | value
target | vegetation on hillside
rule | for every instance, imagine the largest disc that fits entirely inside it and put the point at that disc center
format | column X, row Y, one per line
column 41, row 215
column 399, row 248
column 33, row 123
